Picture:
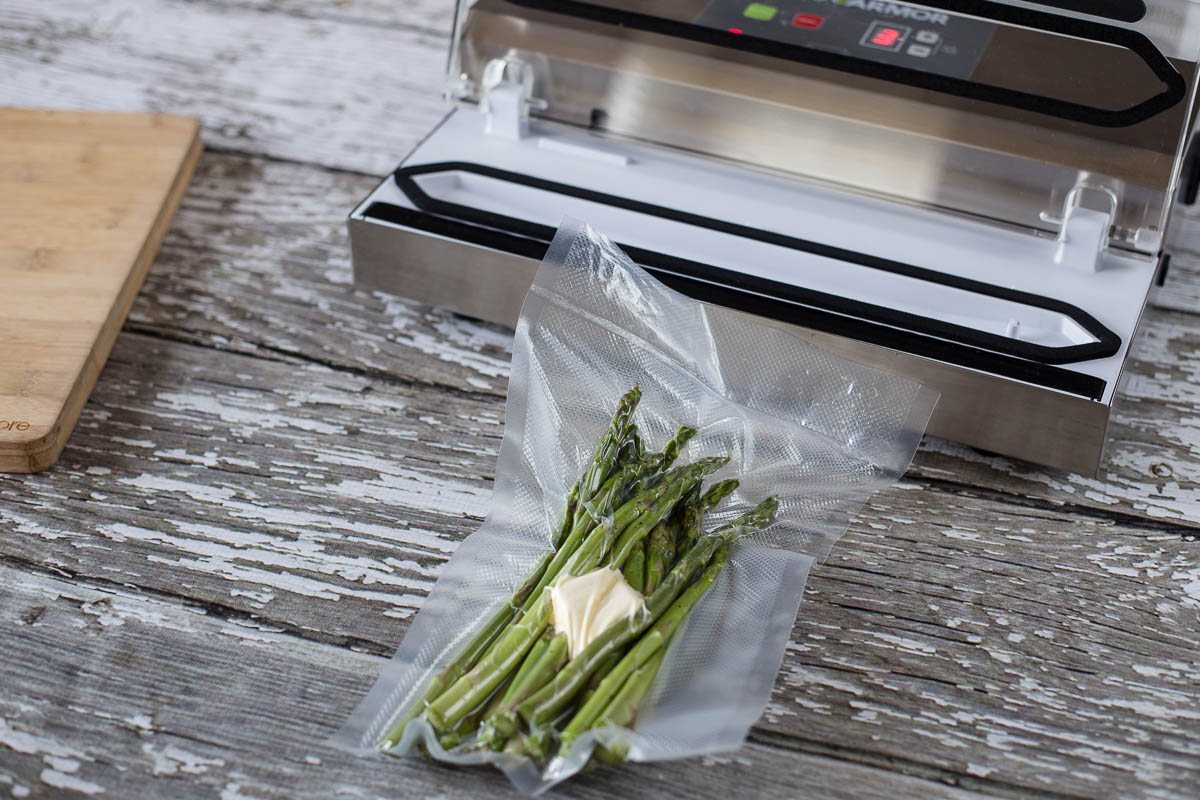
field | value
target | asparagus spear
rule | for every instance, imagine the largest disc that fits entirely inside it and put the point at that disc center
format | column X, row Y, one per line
column 452, row 739
column 693, row 514
column 531, row 659
column 627, row 481
column 543, row 574
column 602, row 670
column 537, row 744
column 615, row 487
column 623, row 710
column 683, row 435
column 655, row 639
column 632, row 448
column 658, row 464
column 660, row 542
column 494, row 731
column 612, row 494
column 568, row 517
column 609, row 445
column 550, row 700
column 639, row 514
column 634, row 568
column 469, row 690
column 639, row 446
column 555, row 656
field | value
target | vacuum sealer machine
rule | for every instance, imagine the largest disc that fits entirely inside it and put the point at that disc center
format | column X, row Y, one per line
column 974, row 194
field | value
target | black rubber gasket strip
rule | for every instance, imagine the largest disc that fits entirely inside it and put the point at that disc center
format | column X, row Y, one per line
column 756, row 302
column 747, row 293
column 1174, row 86
column 1106, row 342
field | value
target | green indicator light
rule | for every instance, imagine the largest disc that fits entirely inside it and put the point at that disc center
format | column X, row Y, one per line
column 760, row 11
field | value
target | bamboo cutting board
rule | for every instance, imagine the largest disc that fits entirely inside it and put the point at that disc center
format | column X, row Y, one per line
column 84, row 201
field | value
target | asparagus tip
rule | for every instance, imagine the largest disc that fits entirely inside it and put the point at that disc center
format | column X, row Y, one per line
column 718, row 492
column 762, row 514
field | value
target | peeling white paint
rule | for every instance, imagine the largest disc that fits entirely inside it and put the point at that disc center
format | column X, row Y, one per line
column 70, row 783
column 141, row 722
column 32, row 744
column 232, row 791
column 173, row 760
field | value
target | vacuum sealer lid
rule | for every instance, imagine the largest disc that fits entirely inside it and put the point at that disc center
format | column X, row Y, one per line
column 1016, row 113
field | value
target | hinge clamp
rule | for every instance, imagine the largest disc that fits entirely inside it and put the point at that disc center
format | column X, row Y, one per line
column 506, row 96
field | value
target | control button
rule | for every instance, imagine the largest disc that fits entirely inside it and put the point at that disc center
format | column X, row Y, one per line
column 919, row 50
column 760, row 11
column 885, row 36
column 927, row 37
column 810, row 21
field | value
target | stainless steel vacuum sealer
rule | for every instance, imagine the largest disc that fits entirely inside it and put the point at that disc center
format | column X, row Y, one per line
column 975, row 194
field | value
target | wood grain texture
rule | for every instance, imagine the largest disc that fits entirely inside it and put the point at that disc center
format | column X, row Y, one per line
column 1037, row 651
column 85, row 199
column 275, row 465
column 308, row 89
column 169, row 728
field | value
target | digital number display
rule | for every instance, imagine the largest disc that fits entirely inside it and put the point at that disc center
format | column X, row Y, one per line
column 884, row 36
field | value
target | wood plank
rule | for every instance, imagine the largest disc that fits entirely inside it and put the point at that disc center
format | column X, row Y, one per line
column 280, row 281
column 1035, row 648
column 316, row 90
column 1045, row 650
column 85, row 199
column 208, row 706
column 248, row 484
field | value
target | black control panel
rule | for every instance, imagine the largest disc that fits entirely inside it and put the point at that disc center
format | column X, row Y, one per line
column 919, row 38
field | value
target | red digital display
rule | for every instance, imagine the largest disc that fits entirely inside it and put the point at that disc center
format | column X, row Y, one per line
column 735, row 30
column 885, row 37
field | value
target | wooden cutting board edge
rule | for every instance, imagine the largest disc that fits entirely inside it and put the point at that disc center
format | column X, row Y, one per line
column 42, row 451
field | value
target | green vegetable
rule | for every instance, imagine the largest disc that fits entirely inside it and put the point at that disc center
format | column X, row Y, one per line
column 693, row 515
column 512, row 685
column 654, row 640
column 631, row 521
column 623, row 710
column 634, row 568
column 541, row 707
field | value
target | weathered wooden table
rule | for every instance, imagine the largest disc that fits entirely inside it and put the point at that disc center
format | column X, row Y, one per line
column 275, row 465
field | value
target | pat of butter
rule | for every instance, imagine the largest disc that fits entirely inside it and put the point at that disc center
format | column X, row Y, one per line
column 584, row 606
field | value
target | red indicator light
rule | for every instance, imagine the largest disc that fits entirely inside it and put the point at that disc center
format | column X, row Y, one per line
column 735, row 30
column 810, row 21
column 885, row 37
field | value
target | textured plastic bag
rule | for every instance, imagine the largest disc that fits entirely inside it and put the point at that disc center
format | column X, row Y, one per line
column 820, row 432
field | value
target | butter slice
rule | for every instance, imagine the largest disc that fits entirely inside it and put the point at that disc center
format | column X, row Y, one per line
column 584, row 606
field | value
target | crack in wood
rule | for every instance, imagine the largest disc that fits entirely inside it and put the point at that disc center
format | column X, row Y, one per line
column 907, row 767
